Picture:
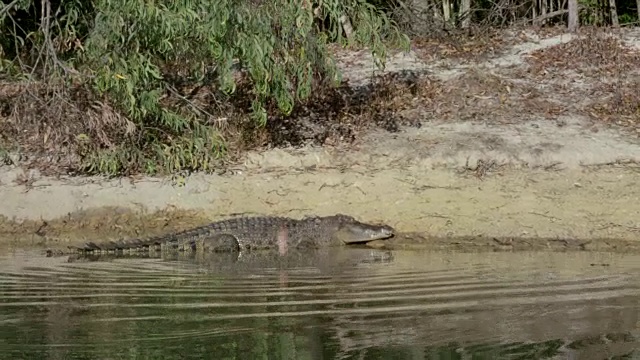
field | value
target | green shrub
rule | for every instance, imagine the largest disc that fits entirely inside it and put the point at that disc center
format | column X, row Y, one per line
column 135, row 59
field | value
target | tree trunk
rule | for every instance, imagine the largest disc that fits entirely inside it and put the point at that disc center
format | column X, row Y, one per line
column 573, row 15
column 534, row 12
column 543, row 10
column 446, row 10
column 346, row 26
column 602, row 12
column 465, row 11
column 614, row 13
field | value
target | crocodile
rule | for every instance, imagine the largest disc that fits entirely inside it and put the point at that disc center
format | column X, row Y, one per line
column 248, row 233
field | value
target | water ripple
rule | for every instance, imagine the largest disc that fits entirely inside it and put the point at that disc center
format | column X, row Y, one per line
column 417, row 299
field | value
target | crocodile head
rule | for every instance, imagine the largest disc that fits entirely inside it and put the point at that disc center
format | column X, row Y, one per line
column 353, row 232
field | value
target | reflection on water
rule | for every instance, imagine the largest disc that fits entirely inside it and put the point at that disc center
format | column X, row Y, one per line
column 412, row 305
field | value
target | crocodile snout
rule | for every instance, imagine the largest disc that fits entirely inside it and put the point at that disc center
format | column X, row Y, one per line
column 359, row 232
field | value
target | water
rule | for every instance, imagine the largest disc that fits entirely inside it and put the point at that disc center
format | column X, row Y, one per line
column 415, row 305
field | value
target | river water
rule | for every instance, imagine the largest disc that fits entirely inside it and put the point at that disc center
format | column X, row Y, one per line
column 408, row 305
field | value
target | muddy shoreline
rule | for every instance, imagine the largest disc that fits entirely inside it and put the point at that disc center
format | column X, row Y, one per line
column 506, row 210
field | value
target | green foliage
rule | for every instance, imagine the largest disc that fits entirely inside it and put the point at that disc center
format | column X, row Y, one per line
column 627, row 19
column 133, row 55
column 4, row 157
column 591, row 13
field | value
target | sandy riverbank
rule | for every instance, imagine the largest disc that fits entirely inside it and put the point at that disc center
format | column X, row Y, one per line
column 432, row 180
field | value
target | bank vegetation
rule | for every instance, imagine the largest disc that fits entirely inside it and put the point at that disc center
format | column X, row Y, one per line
column 122, row 87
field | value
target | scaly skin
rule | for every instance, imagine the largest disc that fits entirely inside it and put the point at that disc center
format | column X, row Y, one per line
column 249, row 233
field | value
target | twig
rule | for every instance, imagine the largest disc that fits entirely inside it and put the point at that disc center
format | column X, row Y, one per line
column 196, row 107
column 15, row 40
column 45, row 27
column 8, row 7
column 544, row 215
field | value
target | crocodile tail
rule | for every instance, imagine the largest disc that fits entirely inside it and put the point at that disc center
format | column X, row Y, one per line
column 128, row 245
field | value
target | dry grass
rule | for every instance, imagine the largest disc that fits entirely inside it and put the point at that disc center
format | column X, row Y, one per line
column 339, row 115
column 618, row 104
column 609, row 74
column 58, row 126
column 111, row 223
column 477, row 46
column 596, row 52
column 55, row 123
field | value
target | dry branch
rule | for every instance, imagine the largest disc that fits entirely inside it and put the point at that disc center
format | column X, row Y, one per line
column 553, row 14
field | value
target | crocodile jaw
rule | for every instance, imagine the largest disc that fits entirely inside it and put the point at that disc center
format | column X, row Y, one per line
column 354, row 233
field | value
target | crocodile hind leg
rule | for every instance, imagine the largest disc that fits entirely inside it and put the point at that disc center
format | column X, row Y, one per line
column 218, row 243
